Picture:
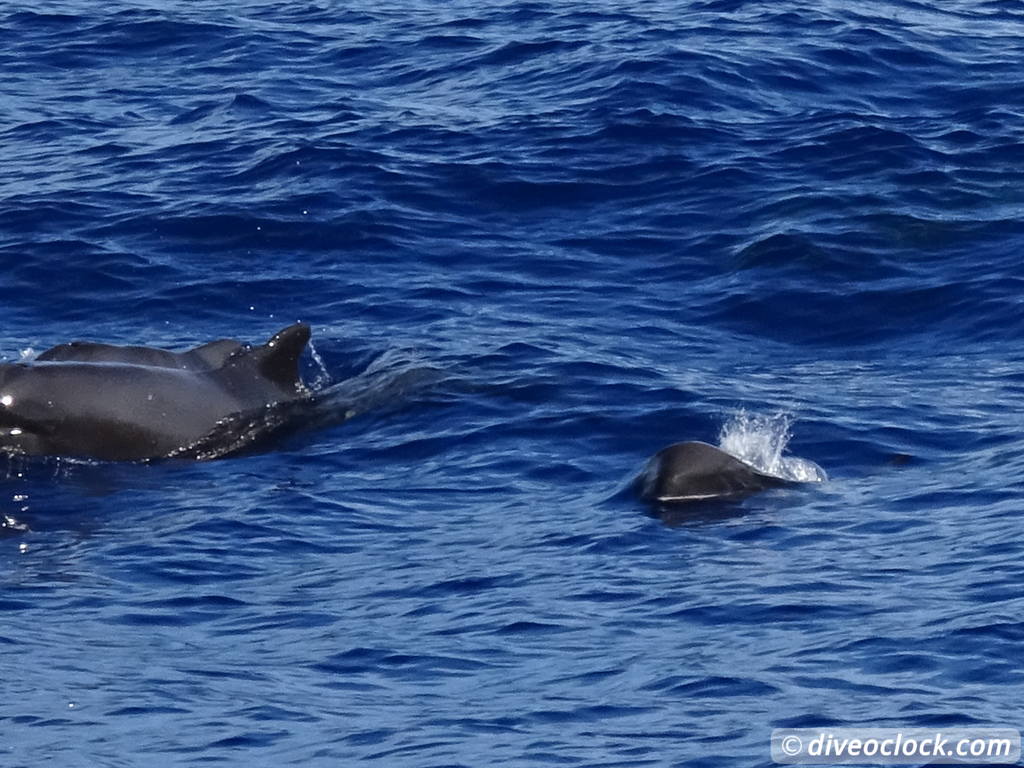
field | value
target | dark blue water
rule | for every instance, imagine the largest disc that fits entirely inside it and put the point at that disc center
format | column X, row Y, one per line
column 537, row 242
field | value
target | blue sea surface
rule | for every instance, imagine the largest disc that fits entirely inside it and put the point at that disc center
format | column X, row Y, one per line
column 536, row 242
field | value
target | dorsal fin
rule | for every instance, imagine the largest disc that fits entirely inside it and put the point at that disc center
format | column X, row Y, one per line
column 278, row 359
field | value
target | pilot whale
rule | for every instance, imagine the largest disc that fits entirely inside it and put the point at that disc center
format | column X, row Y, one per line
column 694, row 471
column 125, row 403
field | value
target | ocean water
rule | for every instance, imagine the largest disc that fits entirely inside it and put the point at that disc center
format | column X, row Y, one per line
column 536, row 242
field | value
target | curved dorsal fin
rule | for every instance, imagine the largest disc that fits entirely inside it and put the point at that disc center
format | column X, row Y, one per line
column 278, row 359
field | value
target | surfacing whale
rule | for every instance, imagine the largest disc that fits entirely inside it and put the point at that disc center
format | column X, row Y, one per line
column 695, row 471
column 124, row 403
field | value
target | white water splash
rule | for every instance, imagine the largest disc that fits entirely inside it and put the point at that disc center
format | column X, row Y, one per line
column 760, row 440
column 322, row 378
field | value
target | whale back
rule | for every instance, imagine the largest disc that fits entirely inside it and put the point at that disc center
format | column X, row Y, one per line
column 130, row 403
column 693, row 471
column 203, row 358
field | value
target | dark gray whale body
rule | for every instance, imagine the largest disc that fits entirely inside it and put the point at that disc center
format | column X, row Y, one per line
column 694, row 471
column 115, row 403
column 203, row 358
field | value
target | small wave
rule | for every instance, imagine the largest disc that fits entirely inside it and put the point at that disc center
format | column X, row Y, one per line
column 760, row 440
